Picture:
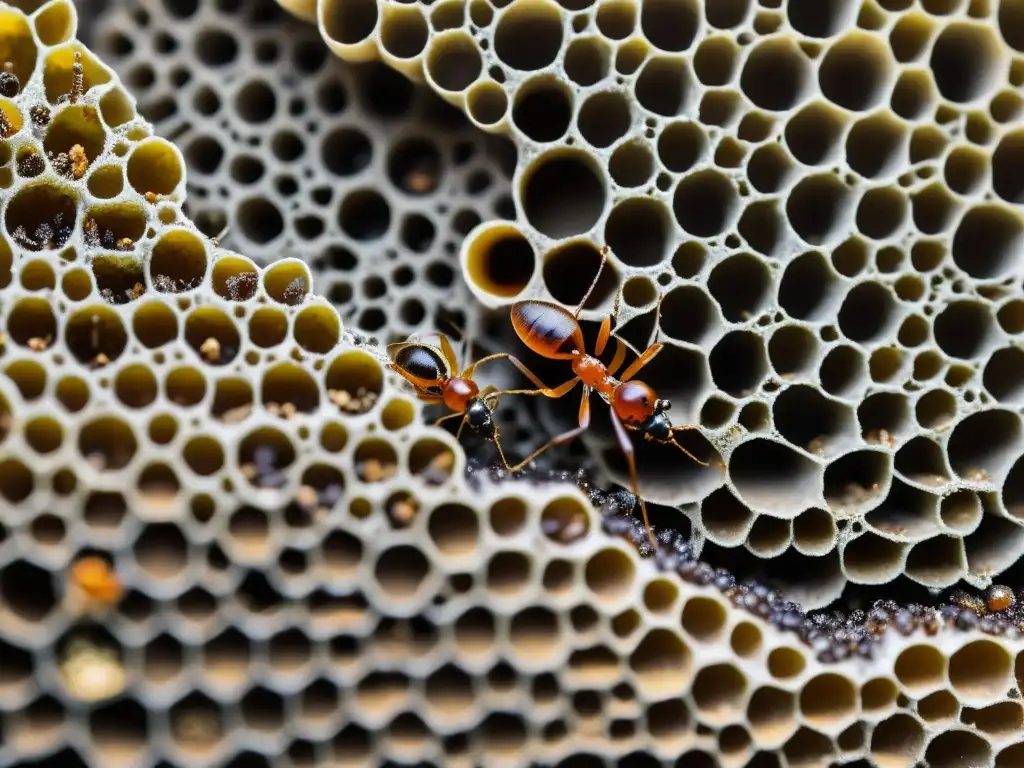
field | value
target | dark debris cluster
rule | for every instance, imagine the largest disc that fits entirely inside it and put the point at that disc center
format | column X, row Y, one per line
column 834, row 635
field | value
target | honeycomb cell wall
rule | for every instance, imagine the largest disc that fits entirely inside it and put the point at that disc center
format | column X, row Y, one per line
column 825, row 198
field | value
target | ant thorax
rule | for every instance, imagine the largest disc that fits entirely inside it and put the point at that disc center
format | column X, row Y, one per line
column 593, row 373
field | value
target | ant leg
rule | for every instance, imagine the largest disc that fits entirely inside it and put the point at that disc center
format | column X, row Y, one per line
column 543, row 388
column 450, row 416
column 449, row 354
column 626, row 445
column 641, row 361
column 673, row 441
column 593, row 285
column 565, row 437
column 619, row 359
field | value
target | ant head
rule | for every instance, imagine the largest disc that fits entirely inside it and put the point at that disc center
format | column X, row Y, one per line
column 661, row 405
column 659, row 426
column 478, row 414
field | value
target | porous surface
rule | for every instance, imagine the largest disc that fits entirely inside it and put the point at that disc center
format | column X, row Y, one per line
column 306, row 575
column 371, row 181
column 828, row 197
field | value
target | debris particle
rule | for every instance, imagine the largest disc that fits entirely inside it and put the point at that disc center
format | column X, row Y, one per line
column 61, row 163
column 6, row 128
column 977, row 475
column 237, row 414
column 360, row 403
column 242, row 286
column 10, row 86
column 40, row 115
column 151, row 197
column 90, row 672
column 307, row 497
column 210, row 350
column 79, row 161
column 295, row 292
column 374, row 470
column 403, row 511
column 31, row 164
column 124, row 244
column 100, row 361
column 77, row 79
column 39, row 344
column 93, row 577
column 999, row 598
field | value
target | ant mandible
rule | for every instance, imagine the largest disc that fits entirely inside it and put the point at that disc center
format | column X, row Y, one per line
column 434, row 373
column 554, row 332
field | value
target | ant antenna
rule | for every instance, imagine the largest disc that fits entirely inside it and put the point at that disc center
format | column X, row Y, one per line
column 657, row 321
column 219, row 237
column 593, row 285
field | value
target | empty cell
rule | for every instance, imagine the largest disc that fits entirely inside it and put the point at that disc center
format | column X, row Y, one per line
column 857, row 481
column 499, row 261
column 809, row 420
column 818, row 207
column 911, row 36
column 875, row 145
column 963, row 329
column 933, row 209
column 967, row 62
column 718, row 691
column 773, row 478
column 664, row 86
column 346, row 151
column 871, row 559
column 609, row 574
column 807, row 287
column 681, row 145
column 987, row 241
column 453, row 61
column 1008, row 165
column 739, row 363
column 569, row 271
column 670, row 25
column 563, row 193
column 348, row 23
column 725, row 518
column 769, row 168
column 866, row 312
column 714, row 63
column 364, row 214
column 604, row 118
column 415, row 166
column 776, row 74
column 793, row 351
column 937, row 562
column 705, row 203
column 740, row 285
column 487, row 103
column 1004, row 375
column 897, row 741
column 587, row 60
column 529, row 36
column 543, row 109
column 984, row 445
column 966, row 169
column 814, row 532
column 814, row 134
column 881, row 212
column 856, row 72
column 454, row 530
column 637, row 231
column 401, row 571
column 955, row 748
column 403, row 32
column 762, row 225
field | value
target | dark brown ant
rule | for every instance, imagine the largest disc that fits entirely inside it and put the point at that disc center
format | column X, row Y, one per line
column 434, row 372
column 554, row 332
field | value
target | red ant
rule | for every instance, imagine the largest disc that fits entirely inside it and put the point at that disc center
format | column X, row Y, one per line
column 434, row 372
column 553, row 332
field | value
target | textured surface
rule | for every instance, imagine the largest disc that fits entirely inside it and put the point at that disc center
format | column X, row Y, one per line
column 827, row 194
column 371, row 181
column 227, row 538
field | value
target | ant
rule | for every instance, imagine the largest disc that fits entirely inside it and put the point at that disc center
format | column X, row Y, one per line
column 554, row 332
column 433, row 371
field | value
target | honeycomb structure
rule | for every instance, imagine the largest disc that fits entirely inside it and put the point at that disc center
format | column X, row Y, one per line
column 226, row 537
column 370, row 180
column 828, row 197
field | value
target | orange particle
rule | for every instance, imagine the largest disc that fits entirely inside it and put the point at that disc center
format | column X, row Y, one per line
column 999, row 598
column 94, row 576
